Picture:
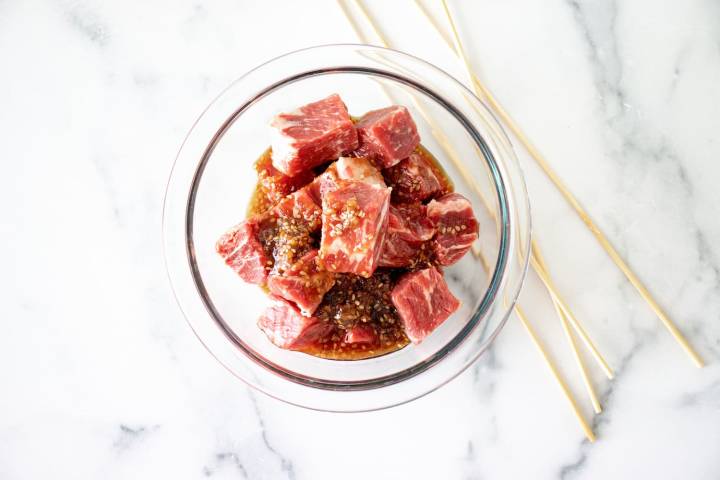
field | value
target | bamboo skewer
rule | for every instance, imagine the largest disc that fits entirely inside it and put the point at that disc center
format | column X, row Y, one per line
column 440, row 137
column 571, row 340
column 545, row 276
column 565, row 192
column 571, row 318
column 578, row 359
column 435, row 24
column 563, row 386
column 445, row 144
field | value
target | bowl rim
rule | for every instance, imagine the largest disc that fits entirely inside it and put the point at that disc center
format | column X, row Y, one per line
column 488, row 298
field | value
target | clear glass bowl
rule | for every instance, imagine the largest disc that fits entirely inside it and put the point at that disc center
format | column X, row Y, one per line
column 212, row 181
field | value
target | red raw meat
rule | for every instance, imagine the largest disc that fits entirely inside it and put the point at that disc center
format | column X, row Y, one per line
column 413, row 179
column 359, row 168
column 456, row 226
column 388, row 135
column 324, row 183
column 301, row 207
column 242, row 251
column 287, row 328
column 311, row 135
column 361, row 333
column 407, row 235
column 423, row 301
column 354, row 221
column 303, row 284
column 274, row 184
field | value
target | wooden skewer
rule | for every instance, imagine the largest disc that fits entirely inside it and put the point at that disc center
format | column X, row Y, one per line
column 368, row 18
column 578, row 359
column 571, row 318
column 571, row 340
column 554, row 294
column 567, row 195
column 428, row 16
column 563, row 386
column 442, row 140
column 545, row 276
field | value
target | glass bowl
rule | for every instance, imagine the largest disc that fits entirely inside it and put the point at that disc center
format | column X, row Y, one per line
column 212, row 181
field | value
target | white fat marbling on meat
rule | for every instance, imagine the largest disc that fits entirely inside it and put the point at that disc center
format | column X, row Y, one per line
column 454, row 205
column 283, row 146
column 427, row 289
column 352, row 168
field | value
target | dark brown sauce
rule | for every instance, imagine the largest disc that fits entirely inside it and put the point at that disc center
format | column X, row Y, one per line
column 353, row 300
column 445, row 182
column 286, row 240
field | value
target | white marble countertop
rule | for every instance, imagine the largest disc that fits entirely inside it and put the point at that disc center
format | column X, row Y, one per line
column 102, row 377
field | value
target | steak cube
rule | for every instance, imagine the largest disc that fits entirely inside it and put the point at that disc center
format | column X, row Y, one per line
column 359, row 168
column 304, row 283
column 287, row 328
column 275, row 185
column 388, row 135
column 311, row 135
column 413, row 179
column 407, row 236
column 354, row 220
column 301, row 207
column 456, row 226
column 423, row 302
column 242, row 250
column 361, row 333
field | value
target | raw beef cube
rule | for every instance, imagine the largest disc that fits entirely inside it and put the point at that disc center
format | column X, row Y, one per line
column 274, row 184
column 388, row 134
column 359, row 168
column 311, row 135
column 456, row 226
column 242, row 250
column 361, row 333
column 413, row 179
column 287, row 328
column 423, row 302
column 301, row 207
column 324, row 183
column 354, row 221
column 407, row 236
column 303, row 284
